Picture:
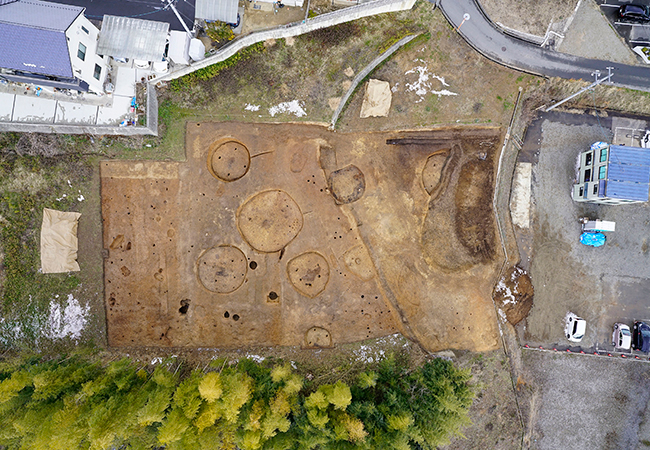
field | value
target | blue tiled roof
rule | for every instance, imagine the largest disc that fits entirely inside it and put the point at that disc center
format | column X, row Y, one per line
column 35, row 50
column 627, row 191
column 39, row 14
column 621, row 154
column 628, row 173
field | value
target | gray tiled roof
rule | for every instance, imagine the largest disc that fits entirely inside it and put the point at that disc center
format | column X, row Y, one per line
column 39, row 14
column 221, row 10
column 125, row 37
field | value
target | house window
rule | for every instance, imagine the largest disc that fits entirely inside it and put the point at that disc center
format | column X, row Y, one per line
column 581, row 192
column 587, row 175
column 85, row 30
column 601, row 172
column 588, row 159
column 595, row 189
column 603, row 155
column 81, row 53
column 98, row 71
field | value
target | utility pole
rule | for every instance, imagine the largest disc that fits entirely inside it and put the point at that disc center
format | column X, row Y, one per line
column 598, row 81
column 170, row 3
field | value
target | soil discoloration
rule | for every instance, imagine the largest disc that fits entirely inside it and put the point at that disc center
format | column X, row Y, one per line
column 229, row 161
column 432, row 172
column 513, row 294
column 308, row 273
column 222, row 269
column 269, row 221
column 347, row 184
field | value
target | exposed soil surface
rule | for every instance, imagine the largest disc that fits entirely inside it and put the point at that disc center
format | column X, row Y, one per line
column 304, row 269
column 513, row 294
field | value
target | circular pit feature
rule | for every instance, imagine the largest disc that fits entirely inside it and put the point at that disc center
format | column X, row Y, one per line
column 222, row 269
column 229, row 161
column 309, row 273
column 269, row 221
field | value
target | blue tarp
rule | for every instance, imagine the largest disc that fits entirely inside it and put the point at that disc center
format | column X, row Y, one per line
column 592, row 239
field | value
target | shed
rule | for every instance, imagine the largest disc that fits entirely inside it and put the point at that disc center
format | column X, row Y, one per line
column 179, row 47
column 219, row 10
column 125, row 37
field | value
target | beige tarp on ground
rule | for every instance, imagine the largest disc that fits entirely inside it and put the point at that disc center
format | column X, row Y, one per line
column 59, row 241
column 376, row 101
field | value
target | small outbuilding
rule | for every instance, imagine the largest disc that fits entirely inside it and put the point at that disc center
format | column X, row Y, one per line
column 217, row 10
column 613, row 175
column 126, row 37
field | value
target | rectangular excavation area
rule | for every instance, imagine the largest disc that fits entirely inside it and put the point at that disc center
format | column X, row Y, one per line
column 284, row 234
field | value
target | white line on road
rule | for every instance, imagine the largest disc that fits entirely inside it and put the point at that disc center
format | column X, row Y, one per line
column 632, row 24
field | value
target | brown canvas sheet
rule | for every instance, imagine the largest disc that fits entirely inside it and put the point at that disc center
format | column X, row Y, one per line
column 59, row 241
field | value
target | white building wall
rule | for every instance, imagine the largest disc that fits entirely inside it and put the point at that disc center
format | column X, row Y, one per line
column 85, row 69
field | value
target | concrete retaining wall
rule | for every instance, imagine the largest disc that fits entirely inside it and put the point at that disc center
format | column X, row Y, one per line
column 295, row 29
column 150, row 129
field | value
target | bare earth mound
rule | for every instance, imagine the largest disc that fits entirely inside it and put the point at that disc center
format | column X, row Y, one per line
column 282, row 253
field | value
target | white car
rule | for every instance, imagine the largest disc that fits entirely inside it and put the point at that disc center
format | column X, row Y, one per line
column 575, row 327
column 622, row 337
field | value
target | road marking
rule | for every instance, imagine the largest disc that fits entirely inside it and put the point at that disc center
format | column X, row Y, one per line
column 632, row 24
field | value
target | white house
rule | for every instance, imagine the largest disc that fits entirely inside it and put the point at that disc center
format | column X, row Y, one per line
column 82, row 45
column 612, row 175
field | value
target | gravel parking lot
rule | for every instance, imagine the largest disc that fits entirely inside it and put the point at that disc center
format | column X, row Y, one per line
column 588, row 402
column 590, row 35
column 603, row 285
column 632, row 33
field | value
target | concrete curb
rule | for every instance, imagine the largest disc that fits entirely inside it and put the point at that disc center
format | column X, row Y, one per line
column 365, row 72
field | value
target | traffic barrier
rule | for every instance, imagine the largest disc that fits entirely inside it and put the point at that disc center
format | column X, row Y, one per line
column 594, row 353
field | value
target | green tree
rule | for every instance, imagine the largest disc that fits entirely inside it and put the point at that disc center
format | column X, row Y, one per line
column 77, row 403
column 419, row 408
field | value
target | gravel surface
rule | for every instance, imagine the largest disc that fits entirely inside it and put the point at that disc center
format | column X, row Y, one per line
column 591, row 36
column 602, row 285
column 587, row 402
column 529, row 16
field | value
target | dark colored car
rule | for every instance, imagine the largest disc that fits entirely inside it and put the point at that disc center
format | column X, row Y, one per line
column 641, row 337
column 634, row 13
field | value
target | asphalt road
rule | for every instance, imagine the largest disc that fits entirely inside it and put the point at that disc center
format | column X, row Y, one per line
column 481, row 34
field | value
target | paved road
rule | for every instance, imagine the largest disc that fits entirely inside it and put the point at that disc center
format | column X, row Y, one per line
column 481, row 34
